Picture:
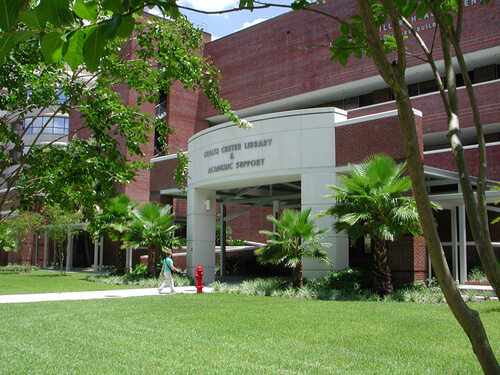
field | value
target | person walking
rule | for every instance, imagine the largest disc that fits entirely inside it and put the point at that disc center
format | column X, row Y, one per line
column 166, row 269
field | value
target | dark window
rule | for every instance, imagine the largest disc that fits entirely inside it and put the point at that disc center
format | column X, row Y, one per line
column 427, row 87
column 365, row 100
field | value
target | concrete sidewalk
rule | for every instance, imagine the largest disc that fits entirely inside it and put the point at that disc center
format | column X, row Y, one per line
column 101, row 294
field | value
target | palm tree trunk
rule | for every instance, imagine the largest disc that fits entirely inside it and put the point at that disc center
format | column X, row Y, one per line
column 152, row 260
column 120, row 261
column 297, row 279
column 381, row 271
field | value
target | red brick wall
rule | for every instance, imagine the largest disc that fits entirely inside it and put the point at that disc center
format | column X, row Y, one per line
column 182, row 106
column 408, row 259
column 445, row 160
column 248, row 225
column 434, row 116
column 355, row 142
column 266, row 62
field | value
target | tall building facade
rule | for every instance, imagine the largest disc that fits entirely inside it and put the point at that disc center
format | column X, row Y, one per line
column 312, row 117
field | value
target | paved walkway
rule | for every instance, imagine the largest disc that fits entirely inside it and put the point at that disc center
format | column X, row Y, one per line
column 101, row 294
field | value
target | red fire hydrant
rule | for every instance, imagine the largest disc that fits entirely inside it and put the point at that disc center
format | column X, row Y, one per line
column 199, row 279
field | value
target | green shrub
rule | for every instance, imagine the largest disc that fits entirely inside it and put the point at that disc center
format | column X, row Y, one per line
column 477, row 274
column 18, row 268
column 421, row 292
column 140, row 271
column 235, row 242
column 469, row 295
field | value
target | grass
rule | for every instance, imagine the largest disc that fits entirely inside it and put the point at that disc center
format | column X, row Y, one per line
column 228, row 333
column 49, row 281
column 236, row 334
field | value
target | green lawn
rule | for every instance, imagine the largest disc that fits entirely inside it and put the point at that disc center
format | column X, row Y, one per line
column 49, row 282
column 235, row 334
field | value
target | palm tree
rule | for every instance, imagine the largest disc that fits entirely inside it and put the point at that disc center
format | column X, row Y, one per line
column 112, row 221
column 296, row 237
column 372, row 203
column 152, row 226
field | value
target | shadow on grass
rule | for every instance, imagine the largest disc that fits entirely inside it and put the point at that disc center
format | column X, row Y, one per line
column 490, row 310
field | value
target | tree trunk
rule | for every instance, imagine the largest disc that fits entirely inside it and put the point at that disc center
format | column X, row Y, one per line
column 381, row 272
column 297, row 278
column 120, row 261
column 394, row 76
column 476, row 211
column 151, row 261
column 153, row 258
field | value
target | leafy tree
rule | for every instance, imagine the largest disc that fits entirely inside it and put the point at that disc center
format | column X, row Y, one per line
column 296, row 237
column 152, row 226
column 77, row 32
column 60, row 228
column 372, row 203
column 7, row 239
column 83, row 174
column 22, row 228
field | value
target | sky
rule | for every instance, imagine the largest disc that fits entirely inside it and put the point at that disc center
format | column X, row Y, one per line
column 220, row 25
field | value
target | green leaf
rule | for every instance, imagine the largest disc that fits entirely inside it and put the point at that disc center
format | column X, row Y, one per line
column 409, row 9
column 73, row 49
column 343, row 59
column 86, row 10
column 93, row 47
column 448, row 19
column 246, row 4
column 111, row 26
column 9, row 12
column 19, row 36
column 300, row 4
column 35, row 18
column 6, row 44
column 422, row 11
column 65, row 17
column 126, row 27
column 59, row 12
column 52, row 46
column 114, row 6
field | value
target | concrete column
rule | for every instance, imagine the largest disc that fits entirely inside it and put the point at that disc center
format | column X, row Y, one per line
column 69, row 252
column 201, row 216
column 462, row 244
column 222, row 253
column 130, row 258
column 101, row 254
column 454, row 244
column 96, row 257
column 37, row 248
column 45, row 250
column 314, row 187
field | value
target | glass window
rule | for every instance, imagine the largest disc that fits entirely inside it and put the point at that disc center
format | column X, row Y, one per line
column 428, row 86
column 60, row 125
column 56, row 125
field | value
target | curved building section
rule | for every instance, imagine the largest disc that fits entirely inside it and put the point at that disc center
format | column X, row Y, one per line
column 280, row 149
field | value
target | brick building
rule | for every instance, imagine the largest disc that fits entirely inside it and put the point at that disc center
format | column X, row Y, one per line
column 289, row 94
column 311, row 118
